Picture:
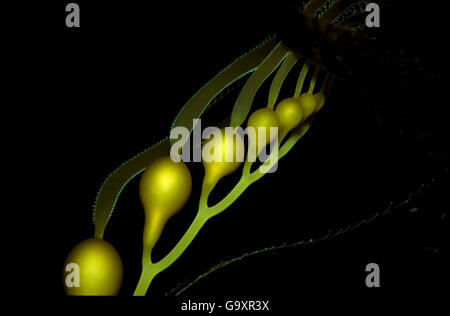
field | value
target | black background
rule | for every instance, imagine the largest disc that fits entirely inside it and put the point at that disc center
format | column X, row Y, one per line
column 110, row 89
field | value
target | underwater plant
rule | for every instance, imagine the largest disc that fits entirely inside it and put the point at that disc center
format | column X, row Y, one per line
column 165, row 186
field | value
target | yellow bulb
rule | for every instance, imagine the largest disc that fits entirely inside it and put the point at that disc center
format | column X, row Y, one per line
column 164, row 189
column 228, row 145
column 262, row 118
column 320, row 100
column 308, row 103
column 98, row 269
column 290, row 113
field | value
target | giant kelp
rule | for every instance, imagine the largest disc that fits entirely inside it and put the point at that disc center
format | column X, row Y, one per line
column 325, row 48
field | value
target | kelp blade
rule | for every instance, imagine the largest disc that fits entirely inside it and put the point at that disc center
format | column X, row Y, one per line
column 248, row 92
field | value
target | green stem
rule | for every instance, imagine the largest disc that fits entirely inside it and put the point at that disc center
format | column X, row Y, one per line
column 99, row 233
column 150, row 270
column 207, row 186
column 301, row 80
column 240, row 187
column 247, row 166
column 313, row 80
column 185, row 241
